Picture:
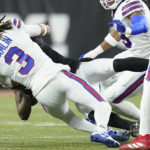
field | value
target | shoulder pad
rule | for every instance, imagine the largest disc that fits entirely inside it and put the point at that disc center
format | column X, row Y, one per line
column 131, row 6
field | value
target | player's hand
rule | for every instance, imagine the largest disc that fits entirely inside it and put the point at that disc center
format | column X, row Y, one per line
column 82, row 56
column 120, row 27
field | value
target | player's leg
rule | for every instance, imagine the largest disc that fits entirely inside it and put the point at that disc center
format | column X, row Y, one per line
column 127, row 83
column 142, row 142
column 101, row 69
column 80, row 92
column 127, row 109
column 64, row 113
column 96, row 70
column 118, row 122
column 130, row 64
column 53, row 99
column 145, row 109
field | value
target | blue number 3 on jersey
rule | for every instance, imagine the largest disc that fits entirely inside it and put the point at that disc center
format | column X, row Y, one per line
column 22, row 57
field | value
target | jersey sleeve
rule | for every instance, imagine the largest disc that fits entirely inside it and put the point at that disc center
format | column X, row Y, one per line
column 131, row 6
column 32, row 30
column 17, row 23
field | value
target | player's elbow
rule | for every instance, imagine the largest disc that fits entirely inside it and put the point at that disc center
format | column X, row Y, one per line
column 145, row 28
column 139, row 24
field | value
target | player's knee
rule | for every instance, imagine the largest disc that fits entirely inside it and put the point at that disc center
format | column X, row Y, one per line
column 112, row 93
column 109, row 95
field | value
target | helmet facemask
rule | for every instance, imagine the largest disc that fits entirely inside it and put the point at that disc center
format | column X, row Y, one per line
column 110, row 4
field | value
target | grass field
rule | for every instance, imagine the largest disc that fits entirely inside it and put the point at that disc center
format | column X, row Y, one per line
column 41, row 131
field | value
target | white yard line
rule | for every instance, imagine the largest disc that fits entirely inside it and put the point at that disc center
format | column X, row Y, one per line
column 43, row 137
column 38, row 124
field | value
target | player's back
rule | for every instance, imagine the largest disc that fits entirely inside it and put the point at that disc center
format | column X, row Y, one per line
column 23, row 61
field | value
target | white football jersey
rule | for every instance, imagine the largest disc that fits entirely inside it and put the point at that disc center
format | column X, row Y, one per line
column 140, row 42
column 23, row 61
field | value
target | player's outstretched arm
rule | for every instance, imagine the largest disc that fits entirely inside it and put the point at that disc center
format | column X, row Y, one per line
column 33, row 29
column 139, row 24
column 23, row 104
column 111, row 40
column 37, row 29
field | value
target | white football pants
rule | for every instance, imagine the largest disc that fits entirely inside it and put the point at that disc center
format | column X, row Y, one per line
column 114, row 87
column 69, row 86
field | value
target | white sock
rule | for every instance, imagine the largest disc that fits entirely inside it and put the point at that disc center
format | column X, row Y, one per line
column 102, row 115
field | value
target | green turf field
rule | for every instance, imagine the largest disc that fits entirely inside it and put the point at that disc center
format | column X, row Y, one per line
column 41, row 131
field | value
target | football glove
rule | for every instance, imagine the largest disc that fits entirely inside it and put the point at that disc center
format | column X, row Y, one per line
column 120, row 27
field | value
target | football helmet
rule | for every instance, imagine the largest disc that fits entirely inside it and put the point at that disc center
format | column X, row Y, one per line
column 110, row 4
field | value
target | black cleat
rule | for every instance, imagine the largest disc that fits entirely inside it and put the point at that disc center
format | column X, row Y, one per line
column 134, row 129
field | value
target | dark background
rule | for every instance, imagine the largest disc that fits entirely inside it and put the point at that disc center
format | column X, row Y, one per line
column 87, row 26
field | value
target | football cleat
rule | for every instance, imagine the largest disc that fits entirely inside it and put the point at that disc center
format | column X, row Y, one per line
column 103, row 137
column 134, row 129
column 140, row 143
column 90, row 120
column 121, row 136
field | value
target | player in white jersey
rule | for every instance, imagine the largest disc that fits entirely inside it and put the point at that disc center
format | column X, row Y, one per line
column 51, row 83
column 142, row 141
column 134, row 15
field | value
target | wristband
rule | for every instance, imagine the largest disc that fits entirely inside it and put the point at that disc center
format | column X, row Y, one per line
column 95, row 52
column 98, row 50
column 45, row 29
column 111, row 40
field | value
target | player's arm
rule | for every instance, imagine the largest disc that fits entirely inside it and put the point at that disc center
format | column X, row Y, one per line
column 33, row 29
column 111, row 40
column 138, row 24
column 37, row 29
column 23, row 104
column 24, row 100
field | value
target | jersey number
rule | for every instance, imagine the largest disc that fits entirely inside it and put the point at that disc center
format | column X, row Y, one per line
column 21, row 58
column 126, row 41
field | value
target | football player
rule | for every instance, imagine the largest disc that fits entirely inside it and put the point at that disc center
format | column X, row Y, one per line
column 93, row 70
column 130, row 25
column 23, row 61
column 142, row 141
column 25, row 98
column 16, row 50
column 118, row 65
